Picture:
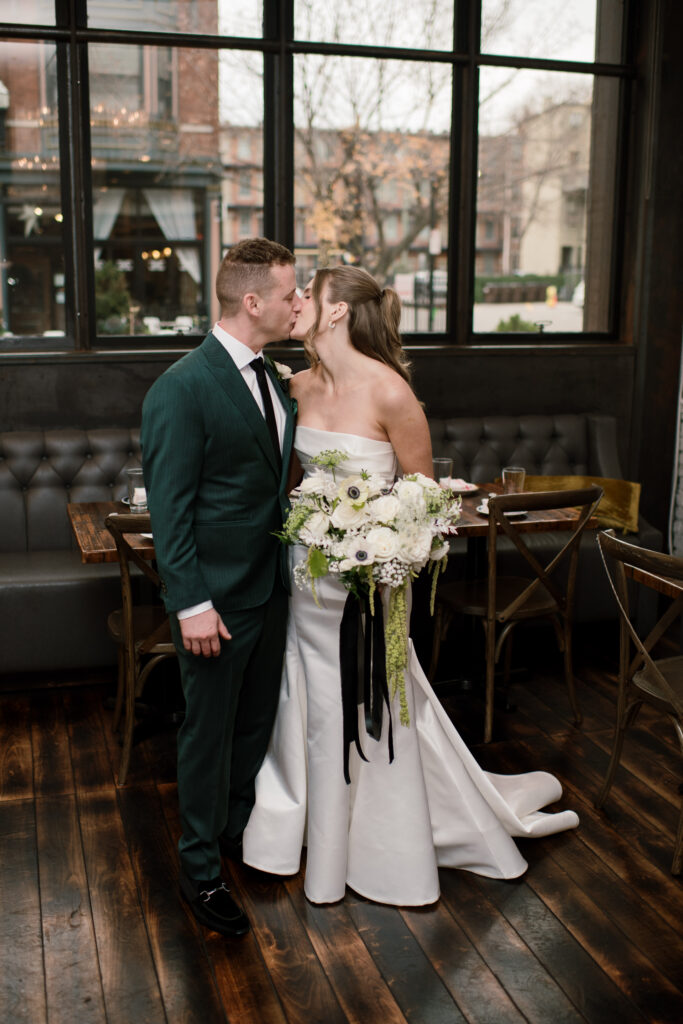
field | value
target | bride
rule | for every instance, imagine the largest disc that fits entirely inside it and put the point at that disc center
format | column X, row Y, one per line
column 386, row 834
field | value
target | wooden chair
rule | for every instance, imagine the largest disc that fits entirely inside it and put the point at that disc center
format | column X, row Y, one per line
column 503, row 601
column 642, row 678
column 141, row 631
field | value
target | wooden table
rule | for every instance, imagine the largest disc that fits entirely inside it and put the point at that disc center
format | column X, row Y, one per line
column 94, row 540
column 474, row 524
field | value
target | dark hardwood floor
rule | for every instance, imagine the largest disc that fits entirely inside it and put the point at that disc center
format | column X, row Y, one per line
column 92, row 929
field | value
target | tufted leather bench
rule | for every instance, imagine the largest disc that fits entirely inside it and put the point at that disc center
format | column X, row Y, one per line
column 53, row 608
column 570, row 444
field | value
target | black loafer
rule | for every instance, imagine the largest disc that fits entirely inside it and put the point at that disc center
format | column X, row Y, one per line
column 231, row 848
column 213, row 906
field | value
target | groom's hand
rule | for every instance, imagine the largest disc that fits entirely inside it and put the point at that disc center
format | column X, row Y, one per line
column 202, row 633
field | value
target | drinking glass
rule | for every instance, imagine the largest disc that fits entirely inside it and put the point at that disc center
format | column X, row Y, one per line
column 513, row 479
column 442, row 469
column 137, row 495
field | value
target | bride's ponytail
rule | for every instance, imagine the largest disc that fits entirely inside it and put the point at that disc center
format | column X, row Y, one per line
column 374, row 314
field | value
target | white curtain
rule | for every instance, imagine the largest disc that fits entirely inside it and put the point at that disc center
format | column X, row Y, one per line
column 106, row 209
column 173, row 209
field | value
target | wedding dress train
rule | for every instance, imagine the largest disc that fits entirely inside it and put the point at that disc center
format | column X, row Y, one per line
column 385, row 834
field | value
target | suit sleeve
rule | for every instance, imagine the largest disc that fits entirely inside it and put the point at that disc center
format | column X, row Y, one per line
column 172, row 438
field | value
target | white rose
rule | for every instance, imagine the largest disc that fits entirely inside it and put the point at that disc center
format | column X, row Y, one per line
column 318, row 482
column 410, row 492
column 414, row 546
column 427, row 482
column 284, row 372
column 384, row 543
column 346, row 517
column 385, row 509
column 315, row 528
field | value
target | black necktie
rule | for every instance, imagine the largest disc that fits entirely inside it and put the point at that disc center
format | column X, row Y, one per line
column 259, row 368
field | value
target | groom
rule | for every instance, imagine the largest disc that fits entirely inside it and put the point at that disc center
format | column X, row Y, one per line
column 216, row 438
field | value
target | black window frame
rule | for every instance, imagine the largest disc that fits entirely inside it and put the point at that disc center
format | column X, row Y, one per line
column 278, row 46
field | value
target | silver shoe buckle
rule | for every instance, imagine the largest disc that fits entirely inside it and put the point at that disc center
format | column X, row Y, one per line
column 206, row 894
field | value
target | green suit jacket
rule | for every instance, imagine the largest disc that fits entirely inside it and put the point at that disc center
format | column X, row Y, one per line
column 215, row 493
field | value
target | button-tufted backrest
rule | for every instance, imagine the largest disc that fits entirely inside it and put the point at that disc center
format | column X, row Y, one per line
column 480, row 447
column 41, row 471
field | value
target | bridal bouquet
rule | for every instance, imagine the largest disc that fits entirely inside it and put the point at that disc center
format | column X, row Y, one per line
column 368, row 531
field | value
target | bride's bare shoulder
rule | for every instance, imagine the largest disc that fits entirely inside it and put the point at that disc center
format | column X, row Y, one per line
column 301, row 383
column 393, row 386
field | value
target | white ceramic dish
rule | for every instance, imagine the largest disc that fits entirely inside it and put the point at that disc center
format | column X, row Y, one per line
column 460, row 486
column 483, row 510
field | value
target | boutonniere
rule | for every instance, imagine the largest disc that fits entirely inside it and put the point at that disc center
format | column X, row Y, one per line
column 282, row 372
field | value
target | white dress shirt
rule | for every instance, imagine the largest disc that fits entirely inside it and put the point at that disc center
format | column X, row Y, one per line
column 242, row 356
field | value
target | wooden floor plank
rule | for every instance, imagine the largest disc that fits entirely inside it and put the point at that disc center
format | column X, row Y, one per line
column 22, row 973
column 129, row 981
column 90, row 761
column 474, row 987
column 662, row 892
column 592, row 932
column 624, row 905
column 416, row 986
column 246, row 990
column 644, row 818
column 592, row 992
column 631, row 970
column 72, row 976
column 529, row 984
column 185, row 978
column 52, row 772
column 360, row 988
column 16, row 755
column 658, row 898
column 299, row 979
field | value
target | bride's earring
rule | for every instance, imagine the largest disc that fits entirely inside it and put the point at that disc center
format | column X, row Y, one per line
column 332, row 324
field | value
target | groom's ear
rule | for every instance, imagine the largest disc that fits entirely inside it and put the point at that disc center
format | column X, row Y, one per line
column 252, row 303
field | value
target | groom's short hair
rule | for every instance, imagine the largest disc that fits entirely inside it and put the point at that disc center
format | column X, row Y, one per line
column 246, row 268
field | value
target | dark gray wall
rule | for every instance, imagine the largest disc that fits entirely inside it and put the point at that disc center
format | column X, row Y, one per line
column 106, row 390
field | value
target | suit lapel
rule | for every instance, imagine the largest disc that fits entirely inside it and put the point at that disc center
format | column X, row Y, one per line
column 234, row 386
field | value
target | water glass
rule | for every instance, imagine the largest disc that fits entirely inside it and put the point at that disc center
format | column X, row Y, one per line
column 513, row 479
column 137, row 495
column 442, row 469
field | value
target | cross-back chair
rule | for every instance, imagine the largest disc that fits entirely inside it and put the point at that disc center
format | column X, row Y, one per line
column 141, row 631
column 501, row 602
column 643, row 679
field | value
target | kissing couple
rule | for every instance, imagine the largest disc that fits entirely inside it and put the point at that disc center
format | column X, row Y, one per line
column 225, row 433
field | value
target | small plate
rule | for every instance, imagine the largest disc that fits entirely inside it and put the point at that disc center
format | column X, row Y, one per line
column 126, row 501
column 462, row 487
column 485, row 511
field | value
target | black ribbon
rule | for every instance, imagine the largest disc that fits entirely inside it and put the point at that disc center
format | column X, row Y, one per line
column 363, row 673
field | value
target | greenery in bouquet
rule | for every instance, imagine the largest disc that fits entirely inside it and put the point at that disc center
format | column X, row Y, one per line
column 371, row 532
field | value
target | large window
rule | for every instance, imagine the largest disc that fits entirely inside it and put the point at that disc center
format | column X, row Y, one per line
column 466, row 153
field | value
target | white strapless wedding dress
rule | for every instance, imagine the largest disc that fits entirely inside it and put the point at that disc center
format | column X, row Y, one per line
column 385, row 834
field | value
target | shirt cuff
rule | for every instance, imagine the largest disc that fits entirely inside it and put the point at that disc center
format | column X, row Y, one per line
column 196, row 609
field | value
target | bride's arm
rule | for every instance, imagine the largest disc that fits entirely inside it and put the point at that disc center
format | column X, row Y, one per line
column 404, row 420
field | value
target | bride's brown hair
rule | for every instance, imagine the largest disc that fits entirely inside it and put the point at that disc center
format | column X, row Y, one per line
column 374, row 314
